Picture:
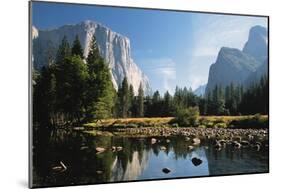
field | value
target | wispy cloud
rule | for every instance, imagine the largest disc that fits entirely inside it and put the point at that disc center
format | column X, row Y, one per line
column 216, row 31
column 211, row 33
column 162, row 71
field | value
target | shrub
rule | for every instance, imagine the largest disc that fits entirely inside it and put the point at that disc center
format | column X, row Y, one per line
column 187, row 116
column 221, row 125
column 208, row 123
column 254, row 122
column 202, row 126
column 175, row 125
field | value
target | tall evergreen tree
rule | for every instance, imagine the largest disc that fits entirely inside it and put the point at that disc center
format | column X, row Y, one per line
column 125, row 98
column 77, row 48
column 167, row 104
column 140, row 101
column 132, row 108
column 44, row 99
column 72, row 76
column 64, row 51
column 101, row 93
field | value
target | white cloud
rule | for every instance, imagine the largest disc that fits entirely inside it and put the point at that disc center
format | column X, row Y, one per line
column 213, row 32
column 163, row 72
column 216, row 31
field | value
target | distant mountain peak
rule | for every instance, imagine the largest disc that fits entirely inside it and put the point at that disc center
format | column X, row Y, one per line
column 240, row 67
column 257, row 43
column 200, row 91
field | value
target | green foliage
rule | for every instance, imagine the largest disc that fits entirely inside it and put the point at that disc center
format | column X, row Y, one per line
column 129, row 105
column 132, row 112
column 70, row 91
column 256, row 121
column 77, row 48
column 255, row 99
column 140, row 102
column 187, row 116
column 101, row 110
column 44, row 101
column 100, row 89
column 220, row 125
column 236, row 100
column 63, row 51
column 71, row 78
column 124, row 99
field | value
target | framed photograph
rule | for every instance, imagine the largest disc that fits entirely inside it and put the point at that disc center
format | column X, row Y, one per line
column 122, row 94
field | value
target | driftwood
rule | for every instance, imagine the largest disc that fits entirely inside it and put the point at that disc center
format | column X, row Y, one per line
column 60, row 168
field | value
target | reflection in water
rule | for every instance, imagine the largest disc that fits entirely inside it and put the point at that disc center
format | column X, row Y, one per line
column 133, row 169
column 179, row 166
column 234, row 161
column 138, row 160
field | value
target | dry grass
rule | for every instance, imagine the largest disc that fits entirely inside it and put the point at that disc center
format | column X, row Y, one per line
column 132, row 121
column 165, row 121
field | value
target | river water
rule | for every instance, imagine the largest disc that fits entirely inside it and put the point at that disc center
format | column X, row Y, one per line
column 139, row 159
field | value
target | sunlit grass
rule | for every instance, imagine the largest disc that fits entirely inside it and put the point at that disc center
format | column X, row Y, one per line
column 204, row 121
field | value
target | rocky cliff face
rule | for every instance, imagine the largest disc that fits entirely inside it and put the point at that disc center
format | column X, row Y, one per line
column 257, row 43
column 241, row 67
column 114, row 48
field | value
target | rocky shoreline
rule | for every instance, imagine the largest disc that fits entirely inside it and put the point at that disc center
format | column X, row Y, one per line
column 237, row 138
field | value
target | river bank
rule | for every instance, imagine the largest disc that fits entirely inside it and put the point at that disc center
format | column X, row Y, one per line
column 238, row 131
column 247, row 122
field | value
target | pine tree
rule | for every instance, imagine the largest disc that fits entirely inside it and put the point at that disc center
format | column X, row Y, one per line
column 72, row 77
column 77, row 48
column 132, row 107
column 64, row 51
column 100, row 88
column 167, row 104
column 140, row 101
column 156, row 104
column 44, row 101
column 124, row 98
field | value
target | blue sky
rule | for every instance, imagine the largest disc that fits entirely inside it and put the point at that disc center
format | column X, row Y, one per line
column 172, row 48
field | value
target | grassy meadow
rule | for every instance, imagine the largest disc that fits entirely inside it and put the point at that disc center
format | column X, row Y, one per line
column 251, row 121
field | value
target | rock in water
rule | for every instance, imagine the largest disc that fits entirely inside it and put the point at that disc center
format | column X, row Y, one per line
column 84, row 148
column 113, row 148
column 190, row 147
column 217, row 145
column 163, row 148
column 196, row 161
column 196, row 141
column 245, row 143
column 236, row 144
column 166, row 170
column 153, row 141
column 100, row 149
column 99, row 172
column 257, row 147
